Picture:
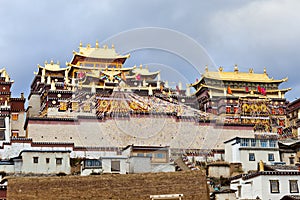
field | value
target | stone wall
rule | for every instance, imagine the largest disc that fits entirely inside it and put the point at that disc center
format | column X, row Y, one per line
column 144, row 131
column 110, row 186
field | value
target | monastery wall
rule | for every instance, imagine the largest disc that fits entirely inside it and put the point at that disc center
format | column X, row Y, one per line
column 110, row 186
column 164, row 131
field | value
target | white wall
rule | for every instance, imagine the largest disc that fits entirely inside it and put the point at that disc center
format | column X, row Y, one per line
column 46, row 168
column 217, row 171
column 139, row 164
column 106, row 165
column 260, row 154
column 260, row 186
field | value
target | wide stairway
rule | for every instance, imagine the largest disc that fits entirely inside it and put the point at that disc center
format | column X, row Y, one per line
column 181, row 164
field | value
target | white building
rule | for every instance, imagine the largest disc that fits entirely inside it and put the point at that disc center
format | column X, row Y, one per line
column 109, row 164
column 38, row 162
column 266, row 185
column 249, row 151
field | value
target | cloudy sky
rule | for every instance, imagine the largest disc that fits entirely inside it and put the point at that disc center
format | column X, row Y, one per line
column 253, row 34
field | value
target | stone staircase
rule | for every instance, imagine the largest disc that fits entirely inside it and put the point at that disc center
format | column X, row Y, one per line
column 180, row 163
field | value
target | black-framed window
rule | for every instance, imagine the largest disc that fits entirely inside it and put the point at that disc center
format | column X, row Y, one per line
column 58, row 161
column 292, row 160
column 272, row 143
column 271, row 157
column 251, row 157
column 244, row 142
column 35, row 159
column 2, row 135
column 274, row 186
column 294, row 186
column 115, row 166
column 47, row 160
column 253, row 142
column 2, row 122
column 263, row 143
column 93, row 163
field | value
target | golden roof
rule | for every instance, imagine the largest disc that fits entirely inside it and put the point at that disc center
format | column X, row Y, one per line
column 3, row 73
column 239, row 76
column 96, row 52
column 142, row 71
column 52, row 66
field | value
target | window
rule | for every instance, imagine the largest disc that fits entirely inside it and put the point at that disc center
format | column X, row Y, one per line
column 159, row 155
column 2, row 135
column 251, row 157
column 14, row 116
column 239, row 190
column 47, row 160
column 115, row 165
column 272, row 143
column 35, row 159
column 2, row 123
column 149, row 155
column 58, row 161
column 263, row 143
column 93, row 163
column 270, row 157
column 294, row 186
column 253, row 142
column 292, row 160
column 140, row 155
column 244, row 142
column 274, row 186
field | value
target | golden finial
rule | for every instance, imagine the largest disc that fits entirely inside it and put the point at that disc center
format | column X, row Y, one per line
column 88, row 46
column 97, row 44
column 141, row 66
column 112, row 46
column 265, row 70
column 220, row 69
column 251, row 70
column 58, row 63
column 206, row 68
column 51, row 62
column 46, row 62
column 236, row 69
column 80, row 44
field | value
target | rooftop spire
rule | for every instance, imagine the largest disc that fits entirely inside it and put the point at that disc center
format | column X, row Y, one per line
column 265, row 70
column 97, row 44
column 236, row 69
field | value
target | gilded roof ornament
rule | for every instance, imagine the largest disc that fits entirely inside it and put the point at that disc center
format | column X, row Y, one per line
column 251, row 70
column 236, row 69
column 112, row 46
column 141, row 66
column 220, row 69
column 206, row 68
column 97, row 44
column 80, row 44
column 265, row 70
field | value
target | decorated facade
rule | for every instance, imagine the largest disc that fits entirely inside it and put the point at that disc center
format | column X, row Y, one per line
column 12, row 111
column 243, row 98
column 95, row 83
